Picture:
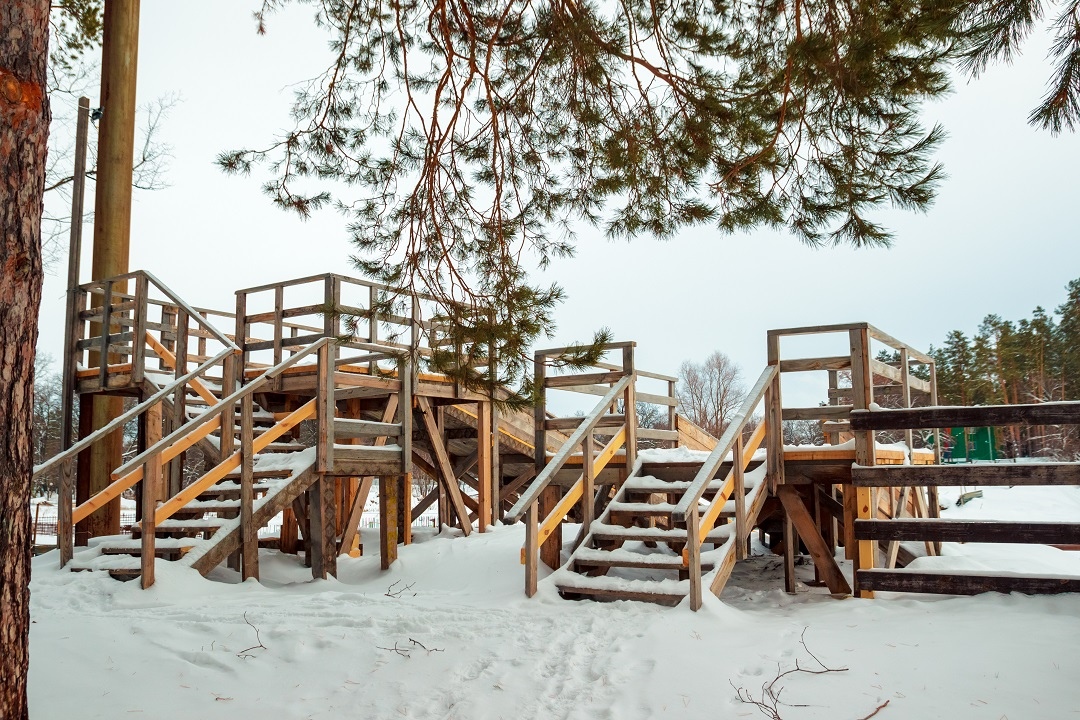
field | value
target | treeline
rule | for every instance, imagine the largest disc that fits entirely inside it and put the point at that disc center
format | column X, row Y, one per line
column 1031, row 360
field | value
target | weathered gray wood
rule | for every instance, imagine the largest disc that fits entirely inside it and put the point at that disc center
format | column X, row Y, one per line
column 823, row 412
column 569, row 382
column 774, row 438
column 693, row 557
column 963, row 583
column 138, row 342
column 148, row 488
column 839, row 362
column 996, row 475
column 739, row 491
column 347, row 429
column 65, row 532
column 983, row 531
column 630, row 405
column 572, row 423
column 1051, row 413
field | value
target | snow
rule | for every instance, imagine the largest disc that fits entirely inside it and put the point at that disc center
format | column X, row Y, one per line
column 185, row 648
column 105, row 649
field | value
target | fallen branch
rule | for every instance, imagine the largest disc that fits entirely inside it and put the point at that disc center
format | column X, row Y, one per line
column 245, row 654
column 769, row 702
column 406, row 652
column 392, row 593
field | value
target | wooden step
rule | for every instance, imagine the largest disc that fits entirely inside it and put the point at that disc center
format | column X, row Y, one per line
column 603, row 531
column 593, row 558
column 172, row 527
column 574, row 586
column 284, row 448
column 219, row 491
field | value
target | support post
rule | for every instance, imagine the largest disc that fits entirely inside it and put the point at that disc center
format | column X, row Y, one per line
column 483, row 465
column 862, row 385
column 630, row 408
column 693, row 557
column 388, row 529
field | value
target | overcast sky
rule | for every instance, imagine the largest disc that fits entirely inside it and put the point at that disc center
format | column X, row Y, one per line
column 1001, row 237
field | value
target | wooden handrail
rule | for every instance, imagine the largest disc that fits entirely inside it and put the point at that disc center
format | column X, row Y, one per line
column 712, row 513
column 588, row 424
column 708, row 470
column 182, row 498
column 192, row 312
column 1049, row 413
column 126, row 416
column 216, row 409
column 551, row 523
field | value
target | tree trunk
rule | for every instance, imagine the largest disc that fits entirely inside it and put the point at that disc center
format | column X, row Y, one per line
column 24, row 128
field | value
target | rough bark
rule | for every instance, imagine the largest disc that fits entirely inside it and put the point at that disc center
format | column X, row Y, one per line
column 24, row 125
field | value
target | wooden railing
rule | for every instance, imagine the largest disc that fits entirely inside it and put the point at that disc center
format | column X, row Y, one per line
column 869, row 530
column 868, row 375
column 699, row 524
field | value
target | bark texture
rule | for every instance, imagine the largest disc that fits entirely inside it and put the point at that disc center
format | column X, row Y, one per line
column 24, row 127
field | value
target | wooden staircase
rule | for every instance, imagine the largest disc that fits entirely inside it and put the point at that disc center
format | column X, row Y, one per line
column 636, row 549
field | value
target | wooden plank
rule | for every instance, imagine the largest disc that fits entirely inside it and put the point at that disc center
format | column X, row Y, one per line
column 897, row 345
column 989, row 475
column 839, row 362
column 823, row 558
column 692, row 436
column 572, row 423
column 819, row 329
column 568, row 382
column 138, row 351
column 1051, row 413
column 822, row 412
column 347, row 429
column 442, row 460
column 959, row 583
column 352, row 523
column 983, row 531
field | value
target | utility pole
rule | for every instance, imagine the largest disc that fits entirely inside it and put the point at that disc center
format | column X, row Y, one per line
column 112, row 235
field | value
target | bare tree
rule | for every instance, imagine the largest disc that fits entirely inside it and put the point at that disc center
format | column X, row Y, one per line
column 710, row 392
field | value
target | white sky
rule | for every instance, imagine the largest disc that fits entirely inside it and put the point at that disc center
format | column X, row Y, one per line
column 1001, row 238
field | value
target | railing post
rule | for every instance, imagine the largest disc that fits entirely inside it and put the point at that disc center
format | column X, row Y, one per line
column 862, row 385
column 539, row 412
column 373, row 325
column 630, row 408
column 228, row 415
column 65, row 531
column 740, row 498
column 240, row 329
column 148, row 528
column 588, row 482
column 324, row 411
column 532, row 548
column 774, row 419
column 106, row 321
column 405, row 415
column 138, row 328
column 693, row 556
column 249, row 534
column 671, row 421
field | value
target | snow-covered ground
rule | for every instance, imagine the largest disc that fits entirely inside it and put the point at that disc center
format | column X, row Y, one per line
column 470, row 645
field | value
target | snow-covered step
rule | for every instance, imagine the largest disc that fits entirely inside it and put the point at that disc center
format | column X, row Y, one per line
column 604, row 531
column 661, row 592
column 620, row 557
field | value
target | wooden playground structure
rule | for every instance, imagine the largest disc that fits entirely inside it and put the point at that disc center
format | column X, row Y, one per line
column 292, row 417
